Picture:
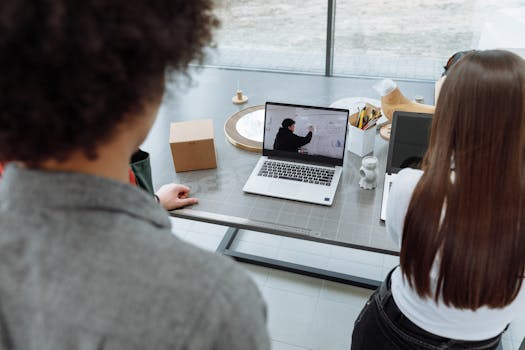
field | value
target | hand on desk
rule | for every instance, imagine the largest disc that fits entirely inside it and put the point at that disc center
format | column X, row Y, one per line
column 174, row 196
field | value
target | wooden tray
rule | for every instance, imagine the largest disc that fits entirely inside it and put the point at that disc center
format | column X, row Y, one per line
column 233, row 136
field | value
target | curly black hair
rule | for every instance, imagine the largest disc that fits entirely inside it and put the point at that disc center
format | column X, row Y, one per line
column 71, row 71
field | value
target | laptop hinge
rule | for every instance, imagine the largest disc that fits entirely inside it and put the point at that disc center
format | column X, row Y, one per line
column 301, row 161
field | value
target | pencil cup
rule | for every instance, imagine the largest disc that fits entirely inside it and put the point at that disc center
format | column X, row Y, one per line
column 361, row 142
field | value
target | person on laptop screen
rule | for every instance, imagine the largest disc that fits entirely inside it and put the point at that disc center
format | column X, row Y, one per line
column 460, row 220
column 286, row 140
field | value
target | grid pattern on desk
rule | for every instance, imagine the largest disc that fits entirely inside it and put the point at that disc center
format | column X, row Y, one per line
column 355, row 221
column 353, row 218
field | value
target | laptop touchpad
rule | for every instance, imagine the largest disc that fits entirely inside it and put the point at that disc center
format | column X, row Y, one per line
column 278, row 188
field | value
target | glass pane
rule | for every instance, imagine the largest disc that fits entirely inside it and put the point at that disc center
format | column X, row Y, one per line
column 271, row 35
column 414, row 39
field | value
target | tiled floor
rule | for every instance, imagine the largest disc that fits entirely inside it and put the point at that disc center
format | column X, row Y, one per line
column 309, row 313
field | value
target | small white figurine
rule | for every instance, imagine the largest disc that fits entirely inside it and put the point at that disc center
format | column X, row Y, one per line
column 239, row 98
column 368, row 173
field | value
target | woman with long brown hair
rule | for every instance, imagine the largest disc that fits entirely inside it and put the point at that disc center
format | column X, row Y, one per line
column 460, row 221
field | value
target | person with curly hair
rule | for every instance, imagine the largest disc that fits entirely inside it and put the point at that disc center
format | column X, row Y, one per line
column 88, row 260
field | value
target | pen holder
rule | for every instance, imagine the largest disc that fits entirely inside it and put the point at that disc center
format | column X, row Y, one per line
column 361, row 142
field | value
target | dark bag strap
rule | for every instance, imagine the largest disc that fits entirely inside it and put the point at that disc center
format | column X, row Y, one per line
column 141, row 167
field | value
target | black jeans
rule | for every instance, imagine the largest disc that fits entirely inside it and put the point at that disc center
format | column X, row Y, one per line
column 381, row 325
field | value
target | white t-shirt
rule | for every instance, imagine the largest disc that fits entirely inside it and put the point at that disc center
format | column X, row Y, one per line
column 437, row 318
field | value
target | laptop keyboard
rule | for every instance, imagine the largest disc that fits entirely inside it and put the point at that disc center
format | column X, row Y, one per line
column 297, row 172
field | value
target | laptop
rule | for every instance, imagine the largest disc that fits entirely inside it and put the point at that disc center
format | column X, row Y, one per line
column 303, row 152
column 408, row 143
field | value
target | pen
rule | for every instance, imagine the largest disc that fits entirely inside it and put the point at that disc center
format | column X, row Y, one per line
column 360, row 119
column 365, row 117
column 370, row 124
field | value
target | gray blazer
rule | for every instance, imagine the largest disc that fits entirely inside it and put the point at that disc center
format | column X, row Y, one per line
column 91, row 263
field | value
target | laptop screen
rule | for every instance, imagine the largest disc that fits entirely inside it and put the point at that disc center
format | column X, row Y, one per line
column 307, row 133
column 408, row 140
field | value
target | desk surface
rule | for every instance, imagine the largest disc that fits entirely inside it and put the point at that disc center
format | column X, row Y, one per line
column 352, row 220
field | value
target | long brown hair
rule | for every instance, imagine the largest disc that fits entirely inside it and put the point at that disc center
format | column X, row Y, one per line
column 467, row 211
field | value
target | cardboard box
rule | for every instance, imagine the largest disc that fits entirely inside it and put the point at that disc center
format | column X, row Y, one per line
column 361, row 142
column 192, row 145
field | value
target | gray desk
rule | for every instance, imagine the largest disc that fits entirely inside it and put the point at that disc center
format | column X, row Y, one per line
column 352, row 220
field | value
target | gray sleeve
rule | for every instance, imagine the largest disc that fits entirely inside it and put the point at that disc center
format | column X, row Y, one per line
column 235, row 316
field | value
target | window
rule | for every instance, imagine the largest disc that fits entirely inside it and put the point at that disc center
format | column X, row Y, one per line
column 408, row 39
column 379, row 38
column 272, row 35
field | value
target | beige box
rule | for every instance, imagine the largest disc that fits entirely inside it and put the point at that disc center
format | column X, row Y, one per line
column 192, row 145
